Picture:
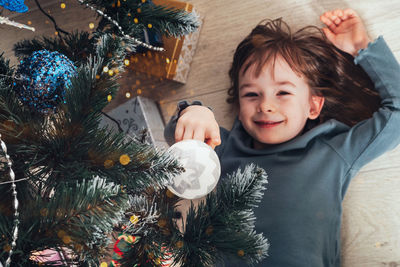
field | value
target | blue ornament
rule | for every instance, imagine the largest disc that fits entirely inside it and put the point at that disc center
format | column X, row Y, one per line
column 42, row 80
column 14, row 5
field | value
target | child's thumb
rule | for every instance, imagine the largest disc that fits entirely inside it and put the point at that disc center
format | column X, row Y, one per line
column 213, row 142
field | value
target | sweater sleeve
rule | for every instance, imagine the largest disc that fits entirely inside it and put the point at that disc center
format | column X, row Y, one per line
column 371, row 138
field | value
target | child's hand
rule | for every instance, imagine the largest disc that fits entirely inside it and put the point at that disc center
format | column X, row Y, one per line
column 345, row 30
column 198, row 122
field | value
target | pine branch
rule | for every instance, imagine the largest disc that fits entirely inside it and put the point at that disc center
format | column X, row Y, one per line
column 167, row 20
column 224, row 223
column 77, row 46
column 79, row 216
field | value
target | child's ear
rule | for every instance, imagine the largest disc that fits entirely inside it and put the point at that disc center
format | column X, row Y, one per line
column 316, row 104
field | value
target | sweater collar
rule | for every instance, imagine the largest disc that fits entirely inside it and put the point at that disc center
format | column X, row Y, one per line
column 243, row 141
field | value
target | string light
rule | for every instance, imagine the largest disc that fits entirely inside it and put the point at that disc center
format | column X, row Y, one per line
column 62, row 5
column 120, row 28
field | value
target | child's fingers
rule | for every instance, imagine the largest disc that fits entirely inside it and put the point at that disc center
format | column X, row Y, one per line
column 188, row 133
column 199, row 134
column 179, row 132
column 214, row 138
column 326, row 19
column 349, row 13
column 337, row 16
column 213, row 142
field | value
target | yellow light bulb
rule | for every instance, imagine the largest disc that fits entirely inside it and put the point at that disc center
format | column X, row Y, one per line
column 91, row 25
column 240, row 253
column 124, row 159
column 109, row 97
column 134, row 219
column 128, row 95
column 127, row 62
column 63, row 5
column 136, row 20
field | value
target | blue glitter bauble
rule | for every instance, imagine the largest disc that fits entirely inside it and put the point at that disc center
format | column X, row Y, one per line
column 14, row 5
column 42, row 80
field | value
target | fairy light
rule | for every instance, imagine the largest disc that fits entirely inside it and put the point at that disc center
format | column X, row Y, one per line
column 62, row 5
column 124, row 159
column 120, row 28
column 91, row 25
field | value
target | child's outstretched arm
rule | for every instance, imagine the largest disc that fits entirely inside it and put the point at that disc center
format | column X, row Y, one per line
column 345, row 30
column 372, row 137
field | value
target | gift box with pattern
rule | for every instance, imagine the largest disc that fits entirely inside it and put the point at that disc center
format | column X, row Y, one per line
column 135, row 117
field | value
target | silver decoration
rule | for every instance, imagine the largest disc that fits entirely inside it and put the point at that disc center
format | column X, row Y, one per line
column 202, row 169
column 15, row 204
column 120, row 28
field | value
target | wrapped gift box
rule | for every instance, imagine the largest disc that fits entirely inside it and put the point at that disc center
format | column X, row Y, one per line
column 136, row 116
column 173, row 63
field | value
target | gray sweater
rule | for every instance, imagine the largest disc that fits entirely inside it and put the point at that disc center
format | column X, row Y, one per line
column 301, row 210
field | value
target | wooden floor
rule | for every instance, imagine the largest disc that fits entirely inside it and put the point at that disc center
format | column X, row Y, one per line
column 371, row 219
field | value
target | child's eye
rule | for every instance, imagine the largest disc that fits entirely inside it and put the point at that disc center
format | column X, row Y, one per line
column 283, row 93
column 250, row 94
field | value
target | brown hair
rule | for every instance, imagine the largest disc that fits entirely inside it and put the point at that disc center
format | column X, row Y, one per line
column 330, row 72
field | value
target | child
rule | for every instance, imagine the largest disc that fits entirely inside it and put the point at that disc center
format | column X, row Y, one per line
column 287, row 87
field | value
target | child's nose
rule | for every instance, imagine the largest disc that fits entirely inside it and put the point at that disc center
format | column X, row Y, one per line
column 267, row 106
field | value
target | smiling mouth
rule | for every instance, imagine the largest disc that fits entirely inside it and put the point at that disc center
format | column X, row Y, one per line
column 268, row 124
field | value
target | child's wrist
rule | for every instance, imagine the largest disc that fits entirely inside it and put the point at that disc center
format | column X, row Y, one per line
column 362, row 44
column 183, row 105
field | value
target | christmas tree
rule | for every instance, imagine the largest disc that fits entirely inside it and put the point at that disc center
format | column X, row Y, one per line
column 70, row 186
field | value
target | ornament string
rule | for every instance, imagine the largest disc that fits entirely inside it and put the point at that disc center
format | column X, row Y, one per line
column 15, row 204
column 101, row 13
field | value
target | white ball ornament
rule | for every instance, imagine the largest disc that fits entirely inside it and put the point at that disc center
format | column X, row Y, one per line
column 202, row 169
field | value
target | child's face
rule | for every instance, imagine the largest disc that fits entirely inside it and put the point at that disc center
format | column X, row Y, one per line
column 275, row 106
